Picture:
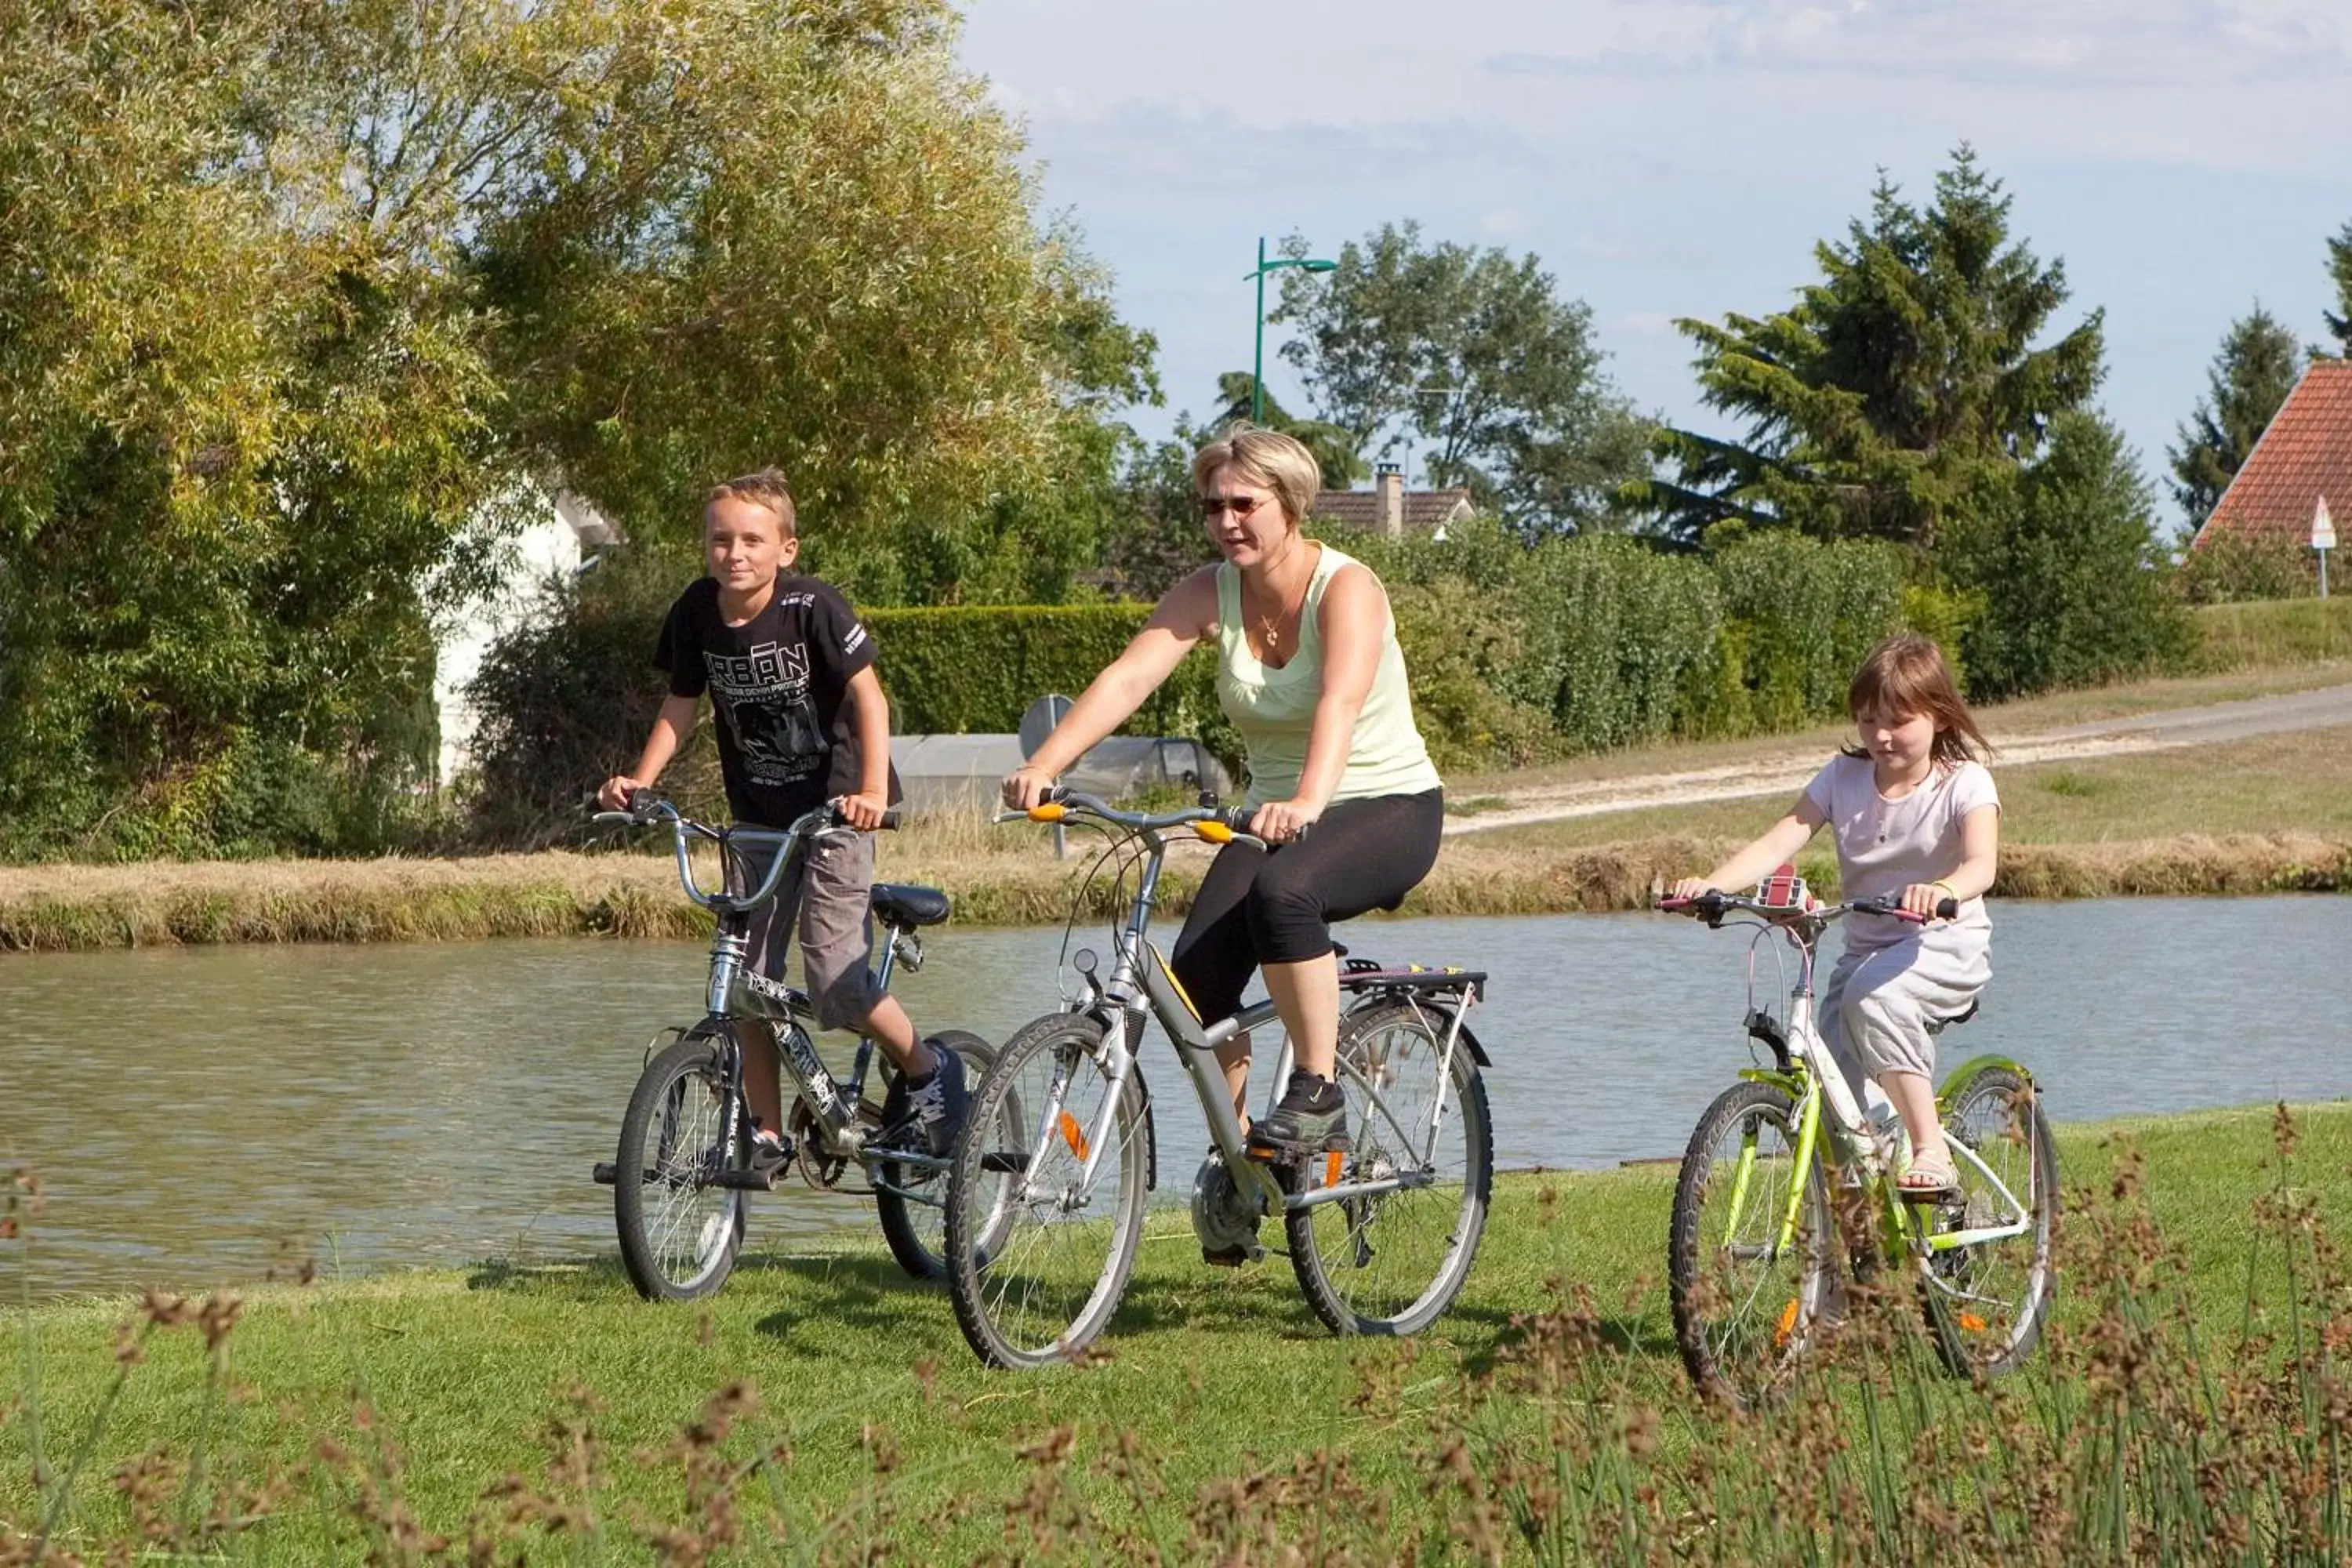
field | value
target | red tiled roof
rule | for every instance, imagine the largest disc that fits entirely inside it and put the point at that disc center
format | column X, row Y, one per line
column 1424, row 510
column 2304, row 453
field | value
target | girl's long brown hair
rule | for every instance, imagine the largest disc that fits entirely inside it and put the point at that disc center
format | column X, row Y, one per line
column 1907, row 675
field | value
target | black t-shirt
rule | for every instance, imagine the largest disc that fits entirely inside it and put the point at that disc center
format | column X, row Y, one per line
column 787, row 740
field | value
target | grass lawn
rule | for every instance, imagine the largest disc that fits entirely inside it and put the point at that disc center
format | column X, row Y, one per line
column 1217, row 1415
column 2296, row 782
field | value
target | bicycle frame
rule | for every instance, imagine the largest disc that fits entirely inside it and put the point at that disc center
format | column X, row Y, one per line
column 1142, row 984
column 1812, row 1078
column 737, row 993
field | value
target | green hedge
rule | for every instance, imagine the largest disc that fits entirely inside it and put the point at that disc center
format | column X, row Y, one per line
column 2280, row 631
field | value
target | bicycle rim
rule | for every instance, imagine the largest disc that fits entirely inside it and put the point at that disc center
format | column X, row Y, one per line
column 679, row 1231
column 1745, row 1307
column 1390, row 1263
column 1037, row 1257
column 1986, row 1302
column 911, row 1199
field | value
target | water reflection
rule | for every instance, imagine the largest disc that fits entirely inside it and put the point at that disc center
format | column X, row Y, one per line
column 212, row 1113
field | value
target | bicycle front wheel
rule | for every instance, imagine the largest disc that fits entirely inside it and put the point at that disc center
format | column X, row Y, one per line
column 1986, row 1299
column 1392, row 1260
column 679, row 1229
column 909, row 1197
column 1046, row 1197
column 1749, row 1290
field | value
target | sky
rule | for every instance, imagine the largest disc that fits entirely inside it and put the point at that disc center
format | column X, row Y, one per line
column 1682, row 158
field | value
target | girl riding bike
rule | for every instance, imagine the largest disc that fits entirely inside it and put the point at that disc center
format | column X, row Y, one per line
column 1918, row 821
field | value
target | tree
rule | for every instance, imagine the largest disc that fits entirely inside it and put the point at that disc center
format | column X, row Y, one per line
column 1899, row 388
column 2252, row 374
column 2068, row 564
column 2339, row 272
column 1333, row 448
column 299, row 298
column 1473, row 353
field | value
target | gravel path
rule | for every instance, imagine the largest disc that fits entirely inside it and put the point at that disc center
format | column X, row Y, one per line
column 1786, row 773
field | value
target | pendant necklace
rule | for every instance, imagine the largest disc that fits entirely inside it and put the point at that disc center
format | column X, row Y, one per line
column 1270, row 627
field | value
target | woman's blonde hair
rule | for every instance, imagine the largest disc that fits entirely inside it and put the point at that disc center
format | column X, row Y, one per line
column 766, row 488
column 1907, row 675
column 1268, row 458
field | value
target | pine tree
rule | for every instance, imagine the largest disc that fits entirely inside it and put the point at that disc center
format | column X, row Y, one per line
column 2252, row 374
column 1898, row 389
column 2339, row 270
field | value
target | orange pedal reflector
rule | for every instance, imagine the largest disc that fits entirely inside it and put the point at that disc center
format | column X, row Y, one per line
column 1074, row 1135
column 1331, row 1161
column 1972, row 1323
column 1788, row 1325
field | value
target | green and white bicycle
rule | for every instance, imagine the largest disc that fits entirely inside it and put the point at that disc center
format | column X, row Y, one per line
column 1758, row 1245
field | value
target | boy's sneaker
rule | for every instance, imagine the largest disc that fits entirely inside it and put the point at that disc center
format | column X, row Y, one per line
column 769, row 1154
column 1311, row 1116
column 938, row 1099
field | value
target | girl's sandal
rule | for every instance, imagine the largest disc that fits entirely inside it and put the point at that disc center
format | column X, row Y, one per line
column 1927, row 1179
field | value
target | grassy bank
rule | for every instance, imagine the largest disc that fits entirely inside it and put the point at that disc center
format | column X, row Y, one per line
column 822, row 1408
column 2270, row 814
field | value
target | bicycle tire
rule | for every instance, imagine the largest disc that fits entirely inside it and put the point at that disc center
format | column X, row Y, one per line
column 1035, row 1280
column 682, row 1127
column 1984, row 1304
column 1745, row 1310
column 1393, row 1263
column 915, row 1228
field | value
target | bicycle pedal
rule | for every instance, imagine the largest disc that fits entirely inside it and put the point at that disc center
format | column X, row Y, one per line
column 1005, row 1162
column 606, row 1173
column 1231, row 1257
column 748, row 1181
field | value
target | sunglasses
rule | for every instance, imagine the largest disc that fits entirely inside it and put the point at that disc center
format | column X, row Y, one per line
column 1240, row 505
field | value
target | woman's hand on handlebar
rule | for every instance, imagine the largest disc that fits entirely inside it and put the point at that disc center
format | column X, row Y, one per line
column 1024, row 788
column 1284, row 821
column 616, row 791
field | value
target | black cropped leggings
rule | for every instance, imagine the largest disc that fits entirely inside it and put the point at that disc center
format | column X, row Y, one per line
column 1276, row 905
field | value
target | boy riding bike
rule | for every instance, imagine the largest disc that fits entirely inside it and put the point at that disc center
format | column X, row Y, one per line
column 802, row 721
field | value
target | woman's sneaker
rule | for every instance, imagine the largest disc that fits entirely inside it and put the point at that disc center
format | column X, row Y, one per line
column 1310, row 1118
column 937, row 1102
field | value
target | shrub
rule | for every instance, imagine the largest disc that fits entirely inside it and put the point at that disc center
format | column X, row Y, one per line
column 2232, row 568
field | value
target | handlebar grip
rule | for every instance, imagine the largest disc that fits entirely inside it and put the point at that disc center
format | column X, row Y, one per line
column 1238, row 818
column 1948, row 910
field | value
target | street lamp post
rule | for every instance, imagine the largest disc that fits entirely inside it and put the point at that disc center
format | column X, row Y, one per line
column 1258, row 360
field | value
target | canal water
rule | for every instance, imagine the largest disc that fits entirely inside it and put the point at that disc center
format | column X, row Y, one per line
column 209, row 1114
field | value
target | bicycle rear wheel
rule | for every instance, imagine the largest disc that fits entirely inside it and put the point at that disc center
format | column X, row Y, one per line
column 1038, row 1254
column 911, row 1199
column 1986, row 1302
column 1745, row 1306
column 1391, row 1262
column 679, row 1230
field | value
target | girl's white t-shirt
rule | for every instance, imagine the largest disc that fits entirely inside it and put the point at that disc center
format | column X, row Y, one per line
column 1884, row 846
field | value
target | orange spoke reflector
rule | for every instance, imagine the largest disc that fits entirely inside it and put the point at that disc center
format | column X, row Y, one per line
column 1788, row 1325
column 1972, row 1323
column 1052, row 811
column 1074, row 1135
column 1213, row 832
column 1332, row 1167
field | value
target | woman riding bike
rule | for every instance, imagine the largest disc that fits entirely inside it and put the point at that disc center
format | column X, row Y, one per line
column 1309, row 671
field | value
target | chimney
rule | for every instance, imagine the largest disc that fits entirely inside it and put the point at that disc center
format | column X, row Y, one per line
column 1388, row 499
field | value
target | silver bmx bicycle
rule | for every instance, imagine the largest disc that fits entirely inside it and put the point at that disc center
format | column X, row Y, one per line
column 1055, row 1166
column 685, row 1169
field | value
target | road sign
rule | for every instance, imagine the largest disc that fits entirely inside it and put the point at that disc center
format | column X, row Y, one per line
column 1038, row 721
column 2322, row 527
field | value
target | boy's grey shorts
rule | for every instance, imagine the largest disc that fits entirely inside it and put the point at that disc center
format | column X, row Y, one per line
column 831, row 891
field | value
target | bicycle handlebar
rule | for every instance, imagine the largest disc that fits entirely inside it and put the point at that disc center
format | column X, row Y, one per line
column 646, row 808
column 1056, row 804
column 1714, row 904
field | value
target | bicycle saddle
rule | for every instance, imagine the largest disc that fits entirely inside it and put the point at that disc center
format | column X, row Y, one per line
column 1937, row 1025
column 900, row 904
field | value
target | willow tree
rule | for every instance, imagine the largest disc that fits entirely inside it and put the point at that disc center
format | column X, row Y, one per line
column 1899, row 388
column 300, row 299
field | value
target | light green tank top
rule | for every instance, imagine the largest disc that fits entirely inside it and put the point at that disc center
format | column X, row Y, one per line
column 1275, row 708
